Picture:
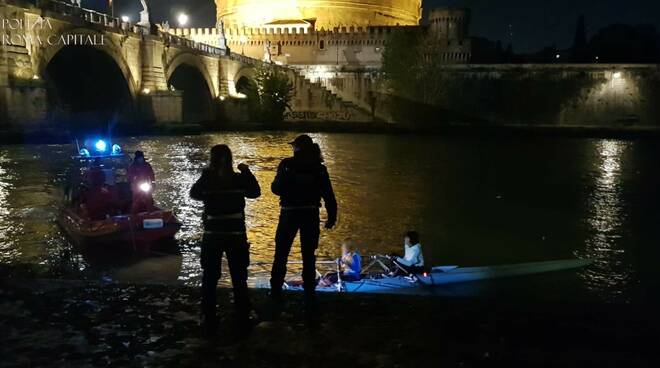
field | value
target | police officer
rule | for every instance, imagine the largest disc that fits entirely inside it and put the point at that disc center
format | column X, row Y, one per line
column 301, row 182
column 223, row 192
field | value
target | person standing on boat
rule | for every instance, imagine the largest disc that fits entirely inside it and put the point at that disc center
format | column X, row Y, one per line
column 413, row 260
column 223, row 192
column 142, row 179
column 301, row 182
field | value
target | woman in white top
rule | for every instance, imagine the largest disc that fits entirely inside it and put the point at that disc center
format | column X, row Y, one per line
column 413, row 259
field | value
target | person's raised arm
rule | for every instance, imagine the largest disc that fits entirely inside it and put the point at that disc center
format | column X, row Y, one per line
column 329, row 200
column 252, row 189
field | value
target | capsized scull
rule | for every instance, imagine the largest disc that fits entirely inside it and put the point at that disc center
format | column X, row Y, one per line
column 443, row 275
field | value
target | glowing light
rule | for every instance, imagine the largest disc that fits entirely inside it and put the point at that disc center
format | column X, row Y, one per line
column 222, row 98
column 145, row 187
column 183, row 19
column 146, row 91
column 557, row 56
column 101, row 145
column 125, row 18
column 84, row 152
column 116, row 149
column 616, row 75
column 36, row 77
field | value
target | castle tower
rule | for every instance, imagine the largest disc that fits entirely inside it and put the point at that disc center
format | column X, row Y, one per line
column 325, row 14
column 450, row 24
column 450, row 30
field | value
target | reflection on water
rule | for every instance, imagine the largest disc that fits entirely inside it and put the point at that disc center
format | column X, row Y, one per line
column 611, row 273
column 476, row 201
column 7, row 249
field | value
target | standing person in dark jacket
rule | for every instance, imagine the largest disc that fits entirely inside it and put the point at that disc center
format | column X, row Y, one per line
column 301, row 182
column 223, row 192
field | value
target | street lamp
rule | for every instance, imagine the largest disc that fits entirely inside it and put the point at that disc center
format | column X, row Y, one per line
column 182, row 18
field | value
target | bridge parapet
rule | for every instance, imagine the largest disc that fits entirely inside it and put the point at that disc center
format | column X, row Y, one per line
column 89, row 15
column 116, row 24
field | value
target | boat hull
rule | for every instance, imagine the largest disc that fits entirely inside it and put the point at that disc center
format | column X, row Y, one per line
column 126, row 232
column 447, row 275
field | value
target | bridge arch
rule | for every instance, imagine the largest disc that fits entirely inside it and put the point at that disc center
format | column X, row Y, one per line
column 109, row 47
column 188, row 74
column 242, row 79
column 89, row 87
column 193, row 60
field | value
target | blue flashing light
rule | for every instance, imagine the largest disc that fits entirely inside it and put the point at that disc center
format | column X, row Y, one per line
column 116, row 149
column 84, row 152
column 101, row 145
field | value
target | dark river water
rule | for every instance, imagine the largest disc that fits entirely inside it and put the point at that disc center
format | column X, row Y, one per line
column 475, row 201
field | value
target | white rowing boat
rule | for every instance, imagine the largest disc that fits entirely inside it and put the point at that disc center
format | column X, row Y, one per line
column 445, row 275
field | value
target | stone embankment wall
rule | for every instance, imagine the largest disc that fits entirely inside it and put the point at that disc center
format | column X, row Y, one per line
column 566, row 95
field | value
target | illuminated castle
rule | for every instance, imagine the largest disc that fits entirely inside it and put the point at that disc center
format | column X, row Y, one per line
column 348, row 34
column 326, row 14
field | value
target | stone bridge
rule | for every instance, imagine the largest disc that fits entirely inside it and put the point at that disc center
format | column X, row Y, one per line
column 62, row 63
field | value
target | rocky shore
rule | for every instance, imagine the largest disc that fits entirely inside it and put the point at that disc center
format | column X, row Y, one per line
column 62, row 323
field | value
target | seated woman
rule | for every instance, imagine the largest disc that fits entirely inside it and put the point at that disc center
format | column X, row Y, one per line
column 413, row 260
column 351, row 265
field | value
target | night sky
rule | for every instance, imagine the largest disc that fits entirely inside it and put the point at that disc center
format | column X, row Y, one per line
column 529, row 25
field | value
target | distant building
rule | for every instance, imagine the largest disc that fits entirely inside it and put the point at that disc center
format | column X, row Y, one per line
column 331, row 34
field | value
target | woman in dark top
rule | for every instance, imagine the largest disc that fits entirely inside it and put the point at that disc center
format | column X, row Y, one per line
column 223, row 192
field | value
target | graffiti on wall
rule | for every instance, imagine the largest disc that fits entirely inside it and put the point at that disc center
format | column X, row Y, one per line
column 318, row 116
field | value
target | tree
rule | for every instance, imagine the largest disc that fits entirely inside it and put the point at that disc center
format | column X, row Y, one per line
column 403, row 59
column 270, row 94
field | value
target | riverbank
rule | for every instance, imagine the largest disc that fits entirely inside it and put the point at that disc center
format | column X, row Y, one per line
column 479, row 129
column 81, row 324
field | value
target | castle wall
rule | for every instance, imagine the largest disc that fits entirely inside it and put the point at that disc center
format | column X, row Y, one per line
column 347, row 46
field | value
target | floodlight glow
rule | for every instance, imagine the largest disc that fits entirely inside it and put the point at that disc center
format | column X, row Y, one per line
column 183, row 19
column 145, row 187
column 125, row 18
column 101, row 145
column 616, row 75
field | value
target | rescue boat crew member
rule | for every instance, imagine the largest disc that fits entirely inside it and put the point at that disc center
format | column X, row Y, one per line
column 142, row 179
column 301, row 182
column 223, row 192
